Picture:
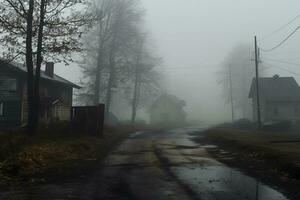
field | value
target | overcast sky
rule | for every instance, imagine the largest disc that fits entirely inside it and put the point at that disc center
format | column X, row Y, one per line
column 194, row 36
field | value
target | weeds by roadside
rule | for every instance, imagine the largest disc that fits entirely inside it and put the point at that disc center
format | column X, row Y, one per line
column 51, row 155
column 265, row 155
column 267, row 147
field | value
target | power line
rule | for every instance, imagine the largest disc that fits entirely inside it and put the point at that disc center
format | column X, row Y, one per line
column 288, row 52
column 181, row 69
column 283, row 69
column 282, row 42
column 280, row 28
column 281, row 61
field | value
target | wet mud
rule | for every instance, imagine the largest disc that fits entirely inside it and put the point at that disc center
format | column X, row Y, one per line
column 160, row 165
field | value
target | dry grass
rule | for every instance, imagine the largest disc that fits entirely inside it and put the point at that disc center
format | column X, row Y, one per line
column 259, row 146
column 270, row 141
column 23, row 156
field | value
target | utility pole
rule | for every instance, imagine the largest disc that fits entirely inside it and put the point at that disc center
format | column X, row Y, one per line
column 231, row 93
column 257, row 83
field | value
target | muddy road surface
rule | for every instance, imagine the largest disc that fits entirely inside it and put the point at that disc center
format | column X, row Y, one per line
column 158, row 165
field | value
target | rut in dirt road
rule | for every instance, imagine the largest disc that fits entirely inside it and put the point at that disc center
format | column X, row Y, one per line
column 159, row 165
column 169, row 165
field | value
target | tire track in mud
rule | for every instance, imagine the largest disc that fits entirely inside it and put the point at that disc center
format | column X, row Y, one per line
column 165, row 165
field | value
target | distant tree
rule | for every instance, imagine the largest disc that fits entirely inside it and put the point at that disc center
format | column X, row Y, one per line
column 118, row 62
column 109, row 61
column 145, row 85
column 125, row 20
column 240, row 62
column 37, row 30
column 97, row 44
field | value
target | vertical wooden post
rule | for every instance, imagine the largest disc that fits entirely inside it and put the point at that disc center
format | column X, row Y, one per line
column 257, row 83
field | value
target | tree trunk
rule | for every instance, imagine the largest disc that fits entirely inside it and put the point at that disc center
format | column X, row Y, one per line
column 109, row 88
column 137, row 82
column 98, row 79
column 111, row 79
column 31, row 126
column 99, row 65
column 134, row 103
column 39, row 61
column 135, row 92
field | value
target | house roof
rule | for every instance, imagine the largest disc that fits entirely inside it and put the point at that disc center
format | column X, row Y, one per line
column 22, row 69
column 170, row 98
column 276, row 88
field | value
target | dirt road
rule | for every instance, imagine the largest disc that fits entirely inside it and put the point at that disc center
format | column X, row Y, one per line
column 158, row 165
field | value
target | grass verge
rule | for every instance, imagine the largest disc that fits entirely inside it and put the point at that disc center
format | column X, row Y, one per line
column 53, row 156
column 271, row 157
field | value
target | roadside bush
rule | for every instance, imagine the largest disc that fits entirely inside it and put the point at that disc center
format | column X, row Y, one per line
column 11, row 143
column 51, row 151
column 244, row 124
column 278, row 126
column 61, row 127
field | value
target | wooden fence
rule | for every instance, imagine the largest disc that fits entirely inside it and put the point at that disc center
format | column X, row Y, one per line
column 88, row 119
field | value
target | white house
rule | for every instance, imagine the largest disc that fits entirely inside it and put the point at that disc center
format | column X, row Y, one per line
column 279, row 98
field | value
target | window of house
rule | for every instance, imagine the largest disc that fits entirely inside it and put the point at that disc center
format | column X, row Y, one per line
column 8, row 84
column 12, row 85
column 2, row 85
column 1, row 108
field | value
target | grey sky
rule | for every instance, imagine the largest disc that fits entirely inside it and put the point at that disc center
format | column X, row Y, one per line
column 194, row 37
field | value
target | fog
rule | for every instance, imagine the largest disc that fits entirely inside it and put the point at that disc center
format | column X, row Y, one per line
column 194, row 37
column 150, row 99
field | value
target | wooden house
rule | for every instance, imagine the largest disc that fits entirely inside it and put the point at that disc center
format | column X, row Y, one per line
column 279, row 99
column 55, row 95
column 167, row 110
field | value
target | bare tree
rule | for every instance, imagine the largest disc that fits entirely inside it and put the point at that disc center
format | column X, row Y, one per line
column 240, row 67
column 145, row 78
column 103, row 11
column 29, row 64
column 119, row 62
column 116, row 21
column 34, row 30
column 125, row 19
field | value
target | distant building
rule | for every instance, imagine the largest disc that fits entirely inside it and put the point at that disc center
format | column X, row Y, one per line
column 279, row 99
column 167, row 110
column 55, row 95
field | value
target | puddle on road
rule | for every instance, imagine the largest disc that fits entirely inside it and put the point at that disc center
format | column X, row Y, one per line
column 213, row 181
column 136, row 134
column 209, row 146
column 221, row 182
column 190, row 130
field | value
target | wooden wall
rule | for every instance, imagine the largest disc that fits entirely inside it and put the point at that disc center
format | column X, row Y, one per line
column 15, row 101
column 11, row 99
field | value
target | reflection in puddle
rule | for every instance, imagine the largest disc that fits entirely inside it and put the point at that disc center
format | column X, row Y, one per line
column 220, row 182
column 189, row 130
column 138, row 133
column 209, row 146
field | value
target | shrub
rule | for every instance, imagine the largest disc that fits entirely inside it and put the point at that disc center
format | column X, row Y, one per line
column 244, row 124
